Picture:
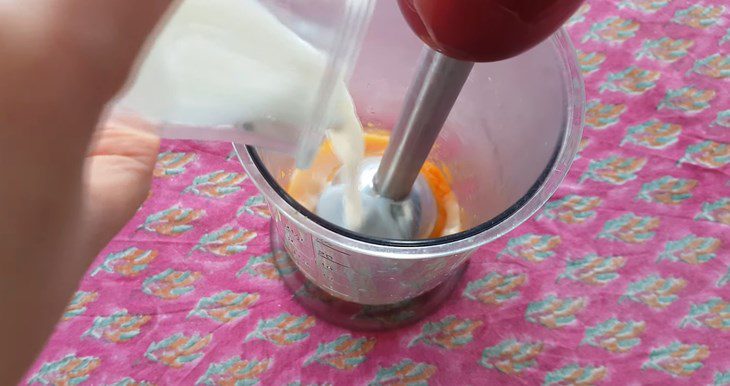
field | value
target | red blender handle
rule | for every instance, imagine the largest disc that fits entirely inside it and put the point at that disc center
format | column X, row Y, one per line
column 485, row 30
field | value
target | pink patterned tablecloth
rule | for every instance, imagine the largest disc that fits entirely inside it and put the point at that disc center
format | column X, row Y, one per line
column 622, row 278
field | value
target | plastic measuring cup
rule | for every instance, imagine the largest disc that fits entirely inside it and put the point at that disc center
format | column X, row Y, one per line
column 507, row 145
column 270, row 73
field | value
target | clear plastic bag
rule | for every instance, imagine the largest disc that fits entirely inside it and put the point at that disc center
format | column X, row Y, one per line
column 268, row 73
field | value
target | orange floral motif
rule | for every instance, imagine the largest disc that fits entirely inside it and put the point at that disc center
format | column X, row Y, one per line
column 614, row 170
column 714, row 314
column 630, row 228
column 655, row 291
column 449, row 333
column 70, row 370
column 678, row 358
column 173, row 221
column 118, row 327
column 344, row 353
column 225, row 306
column 217, row 184
column 633, row 80
column 614, row 335
column 691, row 250
column 129, row 262
column 699, row 16
column 575, row 375
column 688, row 99
column 511, row 356
column 177, row 350
column 613, row 29
column 531, row 247
column 593, row 269
column 172, row 163
column 170, row 284
column 405, row 373
column 78, row 304
column 553, row 312
column 283, row 330
column 600, row 116
column 718, row 211
column 255, row 205
column 266, row 266
column 667, row 190
column 226, row 241
column 716, row 66
column 590, row 61
column 710, row 154
column 646, row 6
column 653, row 134
column 234, row 372
column 665, row 49
column 571, row 209
column 495, row 288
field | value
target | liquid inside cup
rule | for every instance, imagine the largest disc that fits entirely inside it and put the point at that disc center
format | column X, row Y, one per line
column 504, row 148
column 499, row 141
column 307, row 186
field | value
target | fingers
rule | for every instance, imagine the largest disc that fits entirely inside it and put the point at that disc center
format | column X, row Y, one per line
column 60, row 63
column 117, row 180
column 122, row 119
column 130, row 138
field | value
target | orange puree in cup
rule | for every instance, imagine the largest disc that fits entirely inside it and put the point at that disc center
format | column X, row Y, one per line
column 306, row 185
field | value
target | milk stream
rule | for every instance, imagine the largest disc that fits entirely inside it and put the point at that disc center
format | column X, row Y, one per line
column 348, row 145
column 223, row 62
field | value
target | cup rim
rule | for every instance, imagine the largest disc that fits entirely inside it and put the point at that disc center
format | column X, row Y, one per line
column 537, row 195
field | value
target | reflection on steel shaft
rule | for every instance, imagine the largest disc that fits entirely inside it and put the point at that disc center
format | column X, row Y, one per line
column 430, row 98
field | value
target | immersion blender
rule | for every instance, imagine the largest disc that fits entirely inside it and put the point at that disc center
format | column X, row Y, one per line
column 397, row 203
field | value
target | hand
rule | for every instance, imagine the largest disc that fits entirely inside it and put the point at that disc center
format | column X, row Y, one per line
column 118, row 170
column 65, row 189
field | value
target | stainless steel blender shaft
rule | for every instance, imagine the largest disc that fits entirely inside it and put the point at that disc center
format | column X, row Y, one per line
column 427, row 105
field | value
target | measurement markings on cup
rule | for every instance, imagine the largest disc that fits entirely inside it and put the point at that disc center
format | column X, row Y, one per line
column 332, row 261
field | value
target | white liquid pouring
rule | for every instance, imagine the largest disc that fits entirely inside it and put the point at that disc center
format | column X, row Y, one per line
column 217, row 64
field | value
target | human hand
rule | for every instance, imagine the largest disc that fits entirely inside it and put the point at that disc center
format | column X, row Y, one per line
column 117, row 175
column 66, row 189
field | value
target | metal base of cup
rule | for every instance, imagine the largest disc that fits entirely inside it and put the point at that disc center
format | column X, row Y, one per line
column 353, row 315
